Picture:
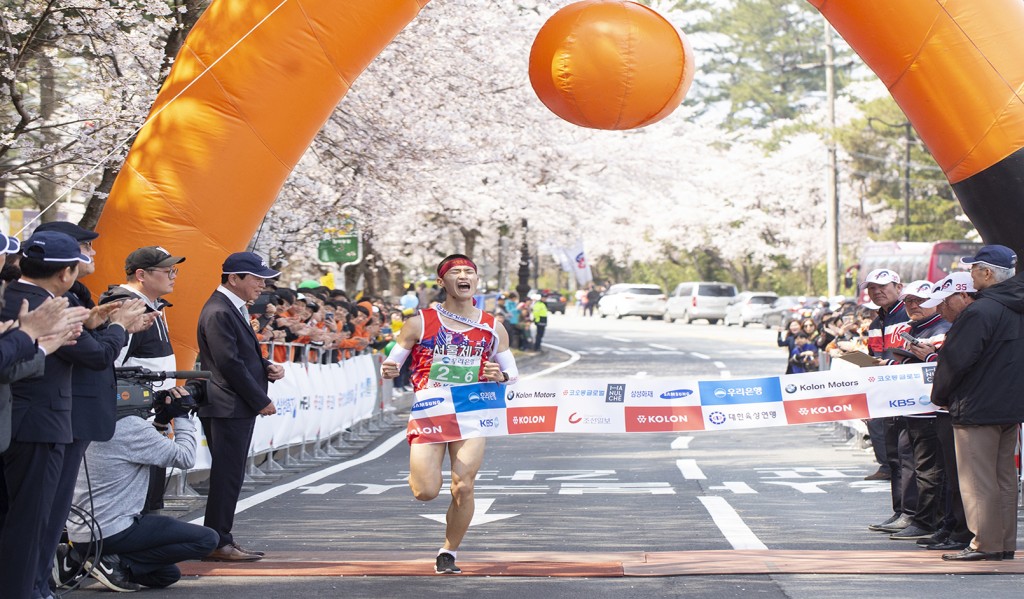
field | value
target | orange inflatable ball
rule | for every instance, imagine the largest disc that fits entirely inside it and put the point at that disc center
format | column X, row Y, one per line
column 610, row 64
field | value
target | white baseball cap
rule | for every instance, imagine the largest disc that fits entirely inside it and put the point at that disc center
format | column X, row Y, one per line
column 920, row 288
column 957, row 282
column 881, row 276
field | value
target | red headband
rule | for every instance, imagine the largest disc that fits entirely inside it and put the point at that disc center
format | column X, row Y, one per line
column 446, row 266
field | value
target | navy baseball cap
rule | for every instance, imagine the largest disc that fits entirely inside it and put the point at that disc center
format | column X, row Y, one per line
column 9, row 245
column 79, row 234
column 52, row 246
column 993, row 255
column 248, row 263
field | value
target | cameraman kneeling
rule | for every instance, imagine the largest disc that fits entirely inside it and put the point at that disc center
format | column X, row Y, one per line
column 138, row 549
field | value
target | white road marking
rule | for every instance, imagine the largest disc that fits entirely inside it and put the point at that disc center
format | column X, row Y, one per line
column 306, row 481
column 619, row 339
column 616, row 489
column 660, row 346
column 681, row 443
column 732, row 526
column 690, row 470
column 806, row 488
column 701, row 356
column 735, row 487
column 719, row 365
column 321, row 489
column 642, row 374
column 480, row 515
column 725, row 374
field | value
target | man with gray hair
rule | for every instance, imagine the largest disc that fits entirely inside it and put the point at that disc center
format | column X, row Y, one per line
column 978, row 376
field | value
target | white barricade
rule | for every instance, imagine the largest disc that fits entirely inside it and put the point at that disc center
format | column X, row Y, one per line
column 313, row 401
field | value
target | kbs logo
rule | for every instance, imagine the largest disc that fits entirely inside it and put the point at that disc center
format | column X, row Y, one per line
column 489, row 423
column 540, row 419
column 827, row 409
column 663, row 418
column 433, row 430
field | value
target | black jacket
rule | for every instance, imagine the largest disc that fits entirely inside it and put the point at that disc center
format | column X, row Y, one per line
column 980, row 371
column 228, row 348
column 95, row 389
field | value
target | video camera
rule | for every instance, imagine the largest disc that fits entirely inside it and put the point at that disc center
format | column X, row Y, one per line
column 136, row 396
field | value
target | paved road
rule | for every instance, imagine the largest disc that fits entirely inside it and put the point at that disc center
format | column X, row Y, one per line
column 782, row 489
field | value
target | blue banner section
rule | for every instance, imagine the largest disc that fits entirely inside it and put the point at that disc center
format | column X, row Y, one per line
column 740, row 391
column 479, row 396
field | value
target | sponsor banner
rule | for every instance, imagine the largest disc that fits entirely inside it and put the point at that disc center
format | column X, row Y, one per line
column 664, row 405
column 827, row 409
column 743, row 391
column 540, row 419
column 653, row 419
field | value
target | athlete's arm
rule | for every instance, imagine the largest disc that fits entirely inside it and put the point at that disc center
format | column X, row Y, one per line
column 502, row 368
column 407, row 338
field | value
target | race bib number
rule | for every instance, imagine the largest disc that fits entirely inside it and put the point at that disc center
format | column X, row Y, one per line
column 449, row 370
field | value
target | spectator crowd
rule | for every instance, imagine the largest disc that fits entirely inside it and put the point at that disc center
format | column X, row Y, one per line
column 952, row 471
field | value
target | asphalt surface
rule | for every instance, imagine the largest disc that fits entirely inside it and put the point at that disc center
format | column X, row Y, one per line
column 788, row 489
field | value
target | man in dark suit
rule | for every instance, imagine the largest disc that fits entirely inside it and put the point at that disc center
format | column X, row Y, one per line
column 93, row 386
column 40, row 417
column 20, row 353
column 237, row 393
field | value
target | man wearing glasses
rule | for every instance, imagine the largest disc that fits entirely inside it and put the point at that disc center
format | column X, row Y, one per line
column 151, row 273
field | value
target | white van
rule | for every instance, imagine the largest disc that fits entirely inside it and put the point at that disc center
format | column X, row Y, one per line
column 699, row 299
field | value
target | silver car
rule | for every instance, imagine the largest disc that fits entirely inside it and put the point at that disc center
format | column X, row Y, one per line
column 748, row 307
column 629, row 299
column 699, row 299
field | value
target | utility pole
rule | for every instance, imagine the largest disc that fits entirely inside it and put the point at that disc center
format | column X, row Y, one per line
column 908, row 140
column 832, row 208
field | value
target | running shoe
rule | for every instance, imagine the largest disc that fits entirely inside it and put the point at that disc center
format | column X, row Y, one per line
column 66, row 567
column 112, row 574
column 445, row 564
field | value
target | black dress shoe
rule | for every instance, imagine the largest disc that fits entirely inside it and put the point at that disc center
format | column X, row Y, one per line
column 947, row 545
column 970, row 555
column 939, row 537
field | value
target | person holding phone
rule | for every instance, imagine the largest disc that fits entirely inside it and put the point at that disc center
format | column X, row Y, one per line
column 920, row 342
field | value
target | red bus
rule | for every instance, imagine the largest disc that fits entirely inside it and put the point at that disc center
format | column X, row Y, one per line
column 913, row 260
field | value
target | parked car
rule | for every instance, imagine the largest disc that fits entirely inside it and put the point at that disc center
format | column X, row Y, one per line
column 786, row 308
column 699, row 299
column 630, row 299
column 748, row 307
column 555, row 301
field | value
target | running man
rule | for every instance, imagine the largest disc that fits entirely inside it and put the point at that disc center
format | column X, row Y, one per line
column 454, row 328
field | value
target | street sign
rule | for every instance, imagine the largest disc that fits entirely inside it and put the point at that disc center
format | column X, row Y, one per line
column 342, row 250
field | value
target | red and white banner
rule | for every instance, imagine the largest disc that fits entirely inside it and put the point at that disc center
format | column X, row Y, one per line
column 648, row 405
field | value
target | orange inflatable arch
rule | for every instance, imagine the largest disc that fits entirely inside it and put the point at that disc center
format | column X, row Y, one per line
column 207, row 166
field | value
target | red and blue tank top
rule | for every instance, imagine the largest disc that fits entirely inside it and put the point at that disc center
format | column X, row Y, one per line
column 444, row 357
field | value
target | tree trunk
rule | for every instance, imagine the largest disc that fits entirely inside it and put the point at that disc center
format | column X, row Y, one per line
column 46, row 190
column 94, row 208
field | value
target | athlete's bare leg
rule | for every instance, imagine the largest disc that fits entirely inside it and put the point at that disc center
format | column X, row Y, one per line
column 466, row 457
column 425, row 461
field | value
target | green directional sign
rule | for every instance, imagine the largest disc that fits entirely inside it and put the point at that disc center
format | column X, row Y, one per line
column 343, row 249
